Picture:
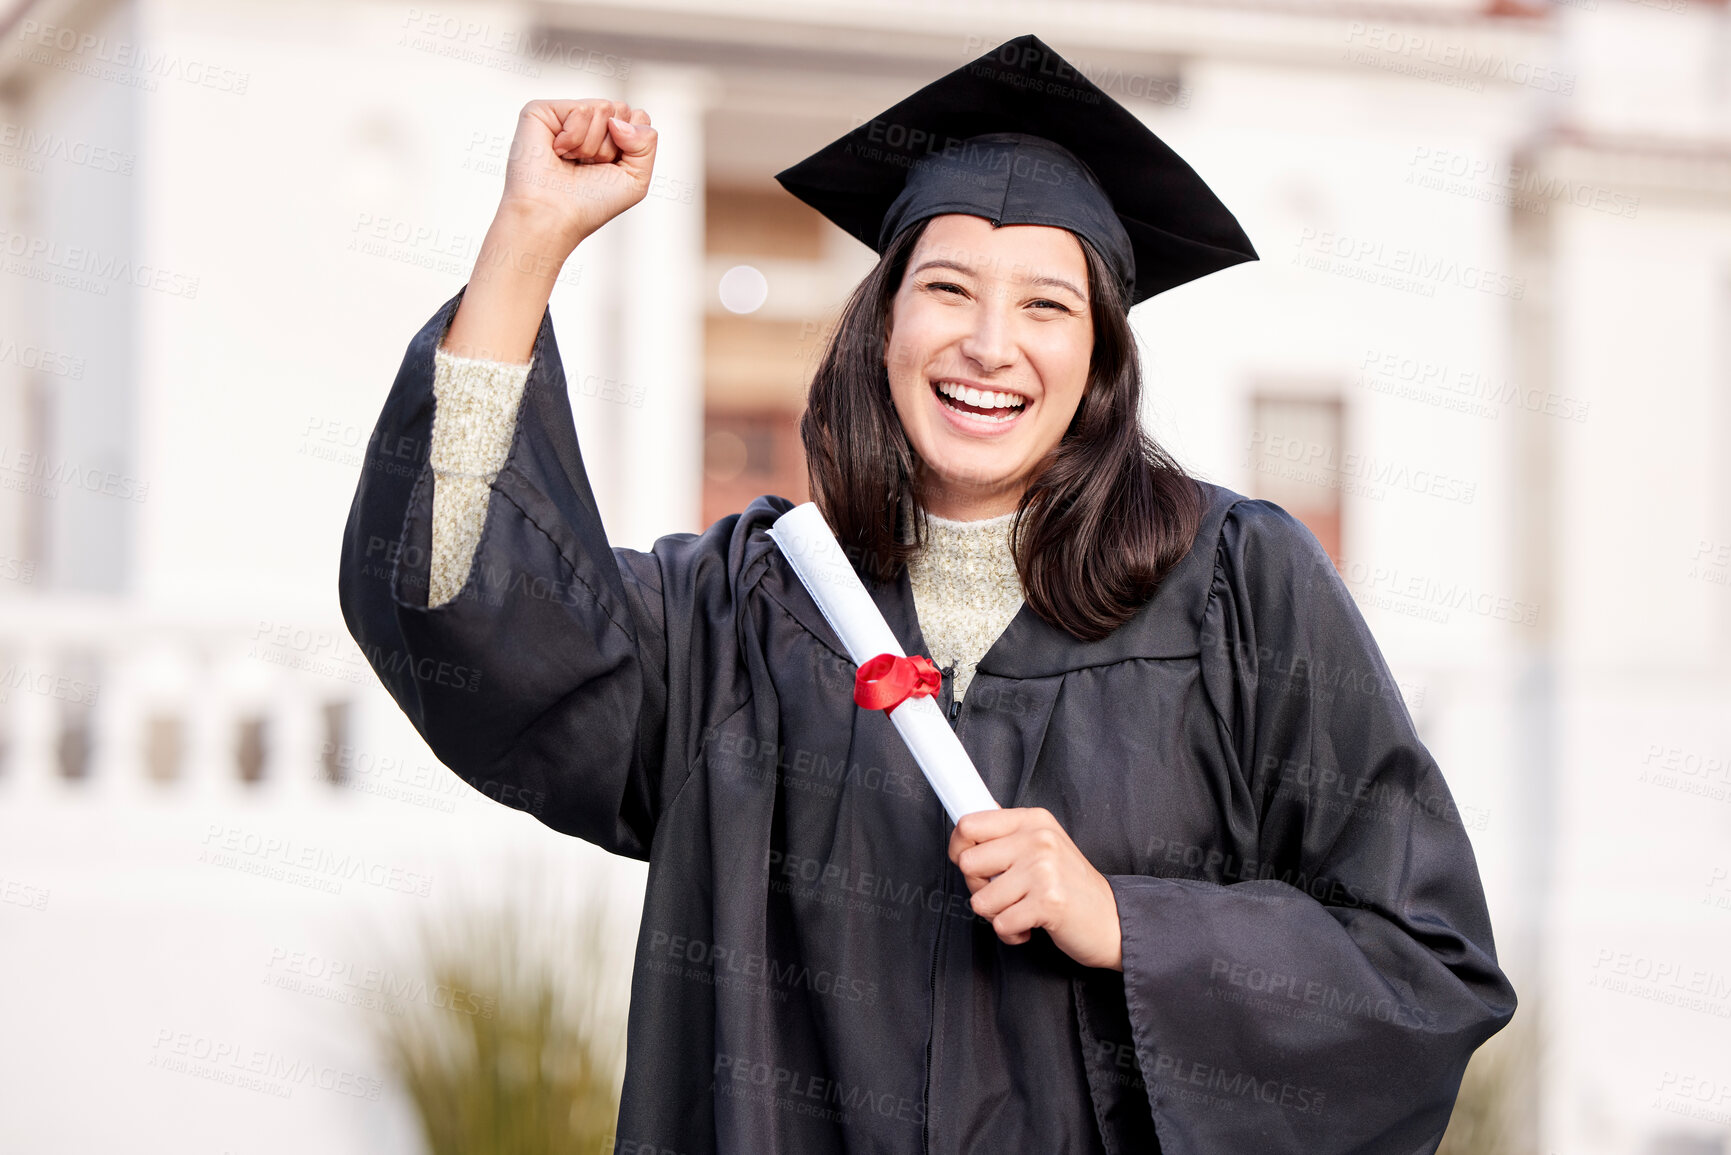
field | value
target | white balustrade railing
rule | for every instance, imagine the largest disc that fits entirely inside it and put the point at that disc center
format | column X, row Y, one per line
column 160, row 703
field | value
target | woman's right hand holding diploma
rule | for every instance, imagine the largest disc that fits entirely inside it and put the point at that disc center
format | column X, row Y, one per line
column 1024, row 871
column 574, row 165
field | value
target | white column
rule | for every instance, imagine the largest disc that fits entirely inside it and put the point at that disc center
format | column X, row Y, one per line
column 661, row 272
column 586, row 308
column 118, row 725
column 20, row 308
column 32, row 769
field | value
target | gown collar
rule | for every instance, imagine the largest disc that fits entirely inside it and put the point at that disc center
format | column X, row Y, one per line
column 1168, row 626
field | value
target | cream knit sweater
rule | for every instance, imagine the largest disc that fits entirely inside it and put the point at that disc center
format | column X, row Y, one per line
column 964, row 581
column 966, row 590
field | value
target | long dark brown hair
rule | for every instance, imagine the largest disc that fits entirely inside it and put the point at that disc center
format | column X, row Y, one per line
column 1106, row 516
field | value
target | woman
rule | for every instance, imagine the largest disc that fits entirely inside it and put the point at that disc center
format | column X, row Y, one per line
column 1226, row 906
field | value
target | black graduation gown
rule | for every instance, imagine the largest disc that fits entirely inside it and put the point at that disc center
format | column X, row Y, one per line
column 1308, row 961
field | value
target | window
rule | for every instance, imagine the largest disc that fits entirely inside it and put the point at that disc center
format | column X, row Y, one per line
column 746, row 455
column 756, row 365
column 1296, row 447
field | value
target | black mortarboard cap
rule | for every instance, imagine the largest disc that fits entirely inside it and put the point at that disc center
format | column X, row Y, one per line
column 1020, row 136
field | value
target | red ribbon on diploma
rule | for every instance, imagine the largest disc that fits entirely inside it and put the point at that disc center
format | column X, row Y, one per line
column 887, row 681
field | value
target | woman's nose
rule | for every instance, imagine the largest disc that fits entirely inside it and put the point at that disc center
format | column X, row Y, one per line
column 990, row 340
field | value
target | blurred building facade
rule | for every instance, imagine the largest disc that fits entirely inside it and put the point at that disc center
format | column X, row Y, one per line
column 1485, row 356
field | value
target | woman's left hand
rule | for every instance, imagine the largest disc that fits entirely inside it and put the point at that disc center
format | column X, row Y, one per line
column 1042, row 880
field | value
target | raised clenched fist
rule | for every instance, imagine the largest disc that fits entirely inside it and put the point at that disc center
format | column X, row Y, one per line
column 577, row 164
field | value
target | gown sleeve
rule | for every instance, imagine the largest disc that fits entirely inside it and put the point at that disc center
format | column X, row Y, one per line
column 564, row 677
column 1326, row 996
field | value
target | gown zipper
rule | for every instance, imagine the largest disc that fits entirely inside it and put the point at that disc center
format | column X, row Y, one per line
column 953, row 713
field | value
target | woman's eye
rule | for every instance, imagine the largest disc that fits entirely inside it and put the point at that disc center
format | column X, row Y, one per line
column 1053, row 304
column 943, row 286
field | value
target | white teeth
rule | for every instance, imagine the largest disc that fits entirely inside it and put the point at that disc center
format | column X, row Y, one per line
column 983, row 398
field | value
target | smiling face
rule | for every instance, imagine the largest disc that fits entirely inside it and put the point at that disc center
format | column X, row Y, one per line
column 989, row 344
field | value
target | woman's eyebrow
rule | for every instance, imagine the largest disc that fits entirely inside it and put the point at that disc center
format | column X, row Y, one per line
column 945, row 263
column 1060, row 283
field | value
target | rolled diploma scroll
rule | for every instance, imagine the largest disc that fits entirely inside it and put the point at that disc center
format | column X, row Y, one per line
column 806, row 541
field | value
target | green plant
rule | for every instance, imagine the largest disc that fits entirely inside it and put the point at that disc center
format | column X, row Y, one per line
column 1494, row 1114
column 520, row 1048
